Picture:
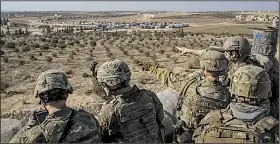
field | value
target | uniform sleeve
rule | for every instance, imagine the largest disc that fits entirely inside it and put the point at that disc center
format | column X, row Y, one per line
column 168, row 78
column 28, row 135
column 158, row 106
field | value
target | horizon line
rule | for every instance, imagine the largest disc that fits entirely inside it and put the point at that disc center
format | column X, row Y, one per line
column 137, row 11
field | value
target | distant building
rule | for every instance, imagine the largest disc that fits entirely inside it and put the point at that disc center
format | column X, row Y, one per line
column 240, row 17
column 275, row 23
column 251, row 18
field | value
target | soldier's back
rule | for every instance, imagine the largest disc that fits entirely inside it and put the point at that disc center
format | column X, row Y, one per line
column 85, row 129
column 66, row 125
column 199, row 98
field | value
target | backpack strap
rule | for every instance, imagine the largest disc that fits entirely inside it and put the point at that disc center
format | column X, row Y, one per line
column 67, row 127
column 183, row 93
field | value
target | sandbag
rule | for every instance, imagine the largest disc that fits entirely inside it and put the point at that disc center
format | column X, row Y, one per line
column 169, row 98
column 9, row 127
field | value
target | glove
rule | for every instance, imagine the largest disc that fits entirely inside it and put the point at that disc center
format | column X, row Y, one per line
column 146, row 66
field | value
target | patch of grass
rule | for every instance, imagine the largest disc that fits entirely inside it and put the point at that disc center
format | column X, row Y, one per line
column 142, row 78
column 49, row 59
column 147, row 54
column 71, row 56
column 21, row 63
column 135, row 61
column 86, row 75
column 6, row 59
column 125, row 52
column 168, row 56
column 4, row 84
column 161, row 51
column 68, row 72
column 32, row 58
column 89, row 58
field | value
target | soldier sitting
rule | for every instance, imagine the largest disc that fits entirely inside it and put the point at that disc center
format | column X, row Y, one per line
column 246, row 119
column 200, row 92
column 57, row 123
column 131, row 114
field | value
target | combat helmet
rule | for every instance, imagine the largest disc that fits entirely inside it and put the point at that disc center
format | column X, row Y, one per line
column 239, row 44
column 113, row 72
column 213, row 61
column 249, row 83
column 50, row 80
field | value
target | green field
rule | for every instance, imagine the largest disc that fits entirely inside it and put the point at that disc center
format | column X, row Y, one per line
column 221, row 28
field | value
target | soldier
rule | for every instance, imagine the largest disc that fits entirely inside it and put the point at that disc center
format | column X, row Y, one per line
column 246, row 119
column 199, row 93
column 57, row 122
column 238, row 52
column 131, row 114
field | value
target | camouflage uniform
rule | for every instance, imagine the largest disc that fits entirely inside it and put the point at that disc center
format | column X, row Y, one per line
column 242, row 46
column 198, row 94
column 246, row 119
column 132, row 114
column 63, row 125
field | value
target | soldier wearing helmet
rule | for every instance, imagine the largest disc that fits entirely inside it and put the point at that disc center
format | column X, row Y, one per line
column 57, row 122
column 199, row 93
column 246, row 119
column 236, row 49
column 131, row 114
column 238, row 52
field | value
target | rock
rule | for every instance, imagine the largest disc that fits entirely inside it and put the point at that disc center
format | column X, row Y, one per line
column 169, row 98
column 9, row 127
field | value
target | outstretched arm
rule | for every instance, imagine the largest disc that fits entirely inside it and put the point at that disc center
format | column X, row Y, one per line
column 169, row 78
column 184, row 50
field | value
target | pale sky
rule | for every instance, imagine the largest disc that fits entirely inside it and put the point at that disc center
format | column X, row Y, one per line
column 140, row 6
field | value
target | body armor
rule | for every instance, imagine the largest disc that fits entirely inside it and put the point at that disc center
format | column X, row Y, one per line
column 222, row 127
column 200, row 98
column 136, row 118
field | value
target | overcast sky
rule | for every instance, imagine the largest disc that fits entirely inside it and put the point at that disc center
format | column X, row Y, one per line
column 140, row 6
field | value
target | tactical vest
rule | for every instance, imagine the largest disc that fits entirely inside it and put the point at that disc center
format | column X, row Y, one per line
column 233, row 130
column 198, row 100
column 137, row 118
